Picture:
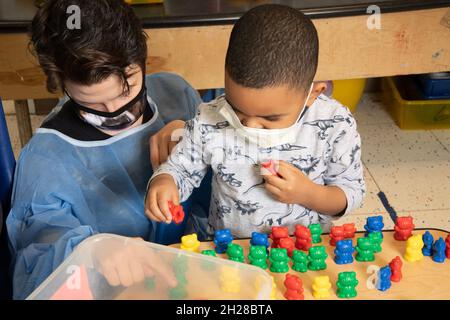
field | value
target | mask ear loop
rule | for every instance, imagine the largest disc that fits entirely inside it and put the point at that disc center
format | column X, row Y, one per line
column 304, row 105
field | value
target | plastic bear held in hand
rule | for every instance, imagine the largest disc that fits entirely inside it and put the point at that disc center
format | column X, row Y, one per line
column 177, row 212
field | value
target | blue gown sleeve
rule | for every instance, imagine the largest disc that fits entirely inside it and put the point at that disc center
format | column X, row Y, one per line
column 175, row 97
column 42, row 226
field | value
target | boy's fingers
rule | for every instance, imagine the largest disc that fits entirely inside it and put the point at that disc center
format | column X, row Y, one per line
column 159, row 266
column 275, row 181
column 110, row 273
column 123, row 270
column 163, row 203
column 137, row 271
column 154, row 208
column 154, row 152
column 273, row 190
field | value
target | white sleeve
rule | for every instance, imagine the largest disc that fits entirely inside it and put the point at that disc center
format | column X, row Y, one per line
column 344, row 168
column 187, row 163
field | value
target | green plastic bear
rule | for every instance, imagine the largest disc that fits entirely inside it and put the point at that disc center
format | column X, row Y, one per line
column 377, row 239
column 258, row 256
column 150, row 283
column 346, row 284
column 178, row 293
column 316, row 257
column 300, row 260
column 364, row 249
column 279, row 260
column 316, row 232
column 235, row 252
column 211, row 253
column 207, row 265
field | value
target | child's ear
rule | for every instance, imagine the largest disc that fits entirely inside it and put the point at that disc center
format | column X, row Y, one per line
column 318, row 88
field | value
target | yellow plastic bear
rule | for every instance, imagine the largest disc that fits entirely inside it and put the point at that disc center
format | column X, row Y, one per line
column 190, row 243
column 414, row 248
column 229, row 280
column 273, row 293
column 321, row 287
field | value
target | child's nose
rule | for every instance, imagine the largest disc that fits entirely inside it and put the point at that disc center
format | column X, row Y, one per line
column 251, row 123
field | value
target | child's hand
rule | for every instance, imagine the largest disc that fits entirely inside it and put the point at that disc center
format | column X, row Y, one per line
column 130, row 263
column 162, row 190
column 162, row 142
column 292, row 187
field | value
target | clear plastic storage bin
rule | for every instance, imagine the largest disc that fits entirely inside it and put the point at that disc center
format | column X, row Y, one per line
column 199, row 276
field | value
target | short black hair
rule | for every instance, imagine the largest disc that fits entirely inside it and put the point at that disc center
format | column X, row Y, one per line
column 273, row 45
column 109, row 40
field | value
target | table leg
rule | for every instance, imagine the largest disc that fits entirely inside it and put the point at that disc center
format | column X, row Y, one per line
column 23, row 121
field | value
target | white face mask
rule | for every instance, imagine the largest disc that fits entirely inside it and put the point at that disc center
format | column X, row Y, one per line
column 264, row 138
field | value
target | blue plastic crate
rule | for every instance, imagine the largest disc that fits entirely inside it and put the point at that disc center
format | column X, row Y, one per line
column 434, row 85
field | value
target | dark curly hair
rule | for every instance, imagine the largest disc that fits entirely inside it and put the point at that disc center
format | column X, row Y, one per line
column 110, row 39
column 272, row 45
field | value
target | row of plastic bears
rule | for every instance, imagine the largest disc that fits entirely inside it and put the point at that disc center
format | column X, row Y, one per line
column 418, row 246
column 346, row 286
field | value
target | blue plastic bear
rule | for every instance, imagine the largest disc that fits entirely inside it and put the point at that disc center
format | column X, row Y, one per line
column 374, row 224
column 427, row 239
column 439, row 251
column 222, row 238
column 384, row 278
column 344, row 251
column 259, row 239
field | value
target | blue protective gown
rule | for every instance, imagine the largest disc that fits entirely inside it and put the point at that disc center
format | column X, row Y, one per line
column 66, row 190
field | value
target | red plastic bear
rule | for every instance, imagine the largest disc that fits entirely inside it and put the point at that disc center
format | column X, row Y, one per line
column 336, row 234
column 288, row 244
column 177, row 212
column 396, row 269
column 447, row 249
column 303, row 239
column 403, row 228
column 294, row 288
column 271, row 167
column 277, row 234
column 349, row 230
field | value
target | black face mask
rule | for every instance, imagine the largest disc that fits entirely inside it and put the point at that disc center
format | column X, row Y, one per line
column 120, row 119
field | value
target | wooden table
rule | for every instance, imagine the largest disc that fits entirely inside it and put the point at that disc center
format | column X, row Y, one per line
column 190, row 38
column 425, row 279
